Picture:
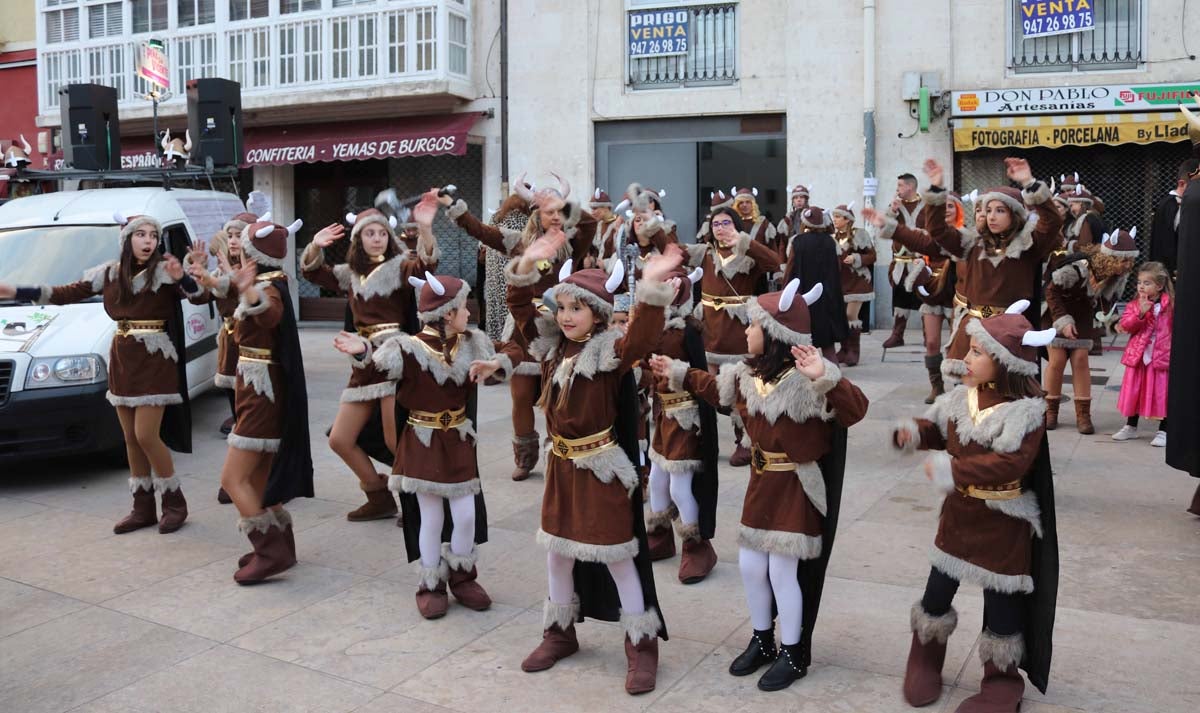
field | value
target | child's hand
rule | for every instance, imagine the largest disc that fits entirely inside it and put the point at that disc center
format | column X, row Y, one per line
column 174, row 268
column 1144, row 306
column 902, row 438
column 351, row 344
column 330, row 233
column 1069, row 332
column 660, row 365
column 873, row 217
column 482, row 370
column 657, row 267
column 809, row 361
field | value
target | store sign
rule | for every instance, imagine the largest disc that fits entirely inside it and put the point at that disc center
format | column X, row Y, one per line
column 152, row 65
column 1057, row 131
column 1064, row 100
column 1042, row 18
column 658, row 33
column 129, row 160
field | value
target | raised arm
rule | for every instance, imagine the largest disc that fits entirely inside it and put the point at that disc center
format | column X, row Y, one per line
column 502, row 239
column 312, row 260
column 653, row 295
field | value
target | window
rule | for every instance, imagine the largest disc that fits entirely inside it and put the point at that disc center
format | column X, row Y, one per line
column 458, row 44
column 193, row 56
column 1115, row 43
column 104, row 20
column 148, row 15
column 300, row 52
column 62, row 25
column 196, row 12
column 287, row 7
column 247, row 9
column 426, row 39
column 351, row 3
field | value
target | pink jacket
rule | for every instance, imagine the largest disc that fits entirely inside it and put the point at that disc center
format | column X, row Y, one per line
column 1141, row 328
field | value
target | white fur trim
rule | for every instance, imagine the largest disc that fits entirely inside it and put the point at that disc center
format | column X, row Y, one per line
column 515, row 279
column 254, row 445
column 943, row 472
column 370, row 392
column 937, row 311
column 1011, row 361
column 383, row 281
column 561, row 615
column 257, row 376
column 158, row 342
column 718, row 359
column 689, row 532
column 657, row 294
column 788, row 544
column 674, row 467
column 257, row 523
column 461, row 563
column 411, row 484
column 585, row 552
column 1023, row 508
column 169, row 484
column 1069, row 275
column 928, row 627
column 245, row 309
column 1063, row 322
column 141, row 483
column 859, row 297
column 796, row 396
column 602, row 307
column 641, row 626
column 609, row 464
column 677, row 375
column 934, row 197
column 962, row 571
column 456, row 209
column 147, row 400
column 656, row 521
column 431, row 577
column 1036, row 193
column 888, row 229
column 221, row 289
column 954, row 368
column 908, row 426
column 472, row 345
column 829, row 379
column 1004, row 652
column 1001, row 431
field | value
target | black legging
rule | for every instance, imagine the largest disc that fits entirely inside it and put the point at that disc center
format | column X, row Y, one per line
column 1003, row 614
column 231, row 395
column 1132, row 422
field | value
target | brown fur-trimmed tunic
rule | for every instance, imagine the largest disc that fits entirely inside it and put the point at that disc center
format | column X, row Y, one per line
column 735, row 273
column 260, row 396
column 1069, row 301
column 142, row 368
column 783, row 511
column 585, row 506
column 440, row 462
column 985, row 441
column 676, row 444
column 856, row 278
column 382, row 296
column 224, row 296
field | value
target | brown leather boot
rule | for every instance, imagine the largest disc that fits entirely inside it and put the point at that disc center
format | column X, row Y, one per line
column 852, row 346
column 698, row 558
column 741, row 454
column 174, row 506
column 897, row 337
column 525, row 455
column 937, row 386
column 1194, row 508
column 463, row 584
column 558, row 637
column 223, row 497
column 1001, row 689
column 145, row 508
column 660, row 537
column 641, row 650
column 1052, row 404
column 1083, row 417
column 285, row 521
column 380, row 505
column 927, row 655
column 271, row 554
column 432, row 601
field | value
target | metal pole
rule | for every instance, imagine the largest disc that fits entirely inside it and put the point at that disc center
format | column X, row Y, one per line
column 869, row 118
column 504, row 98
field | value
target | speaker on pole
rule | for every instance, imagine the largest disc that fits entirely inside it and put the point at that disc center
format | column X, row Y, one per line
column 214, row 108
column 91, row 129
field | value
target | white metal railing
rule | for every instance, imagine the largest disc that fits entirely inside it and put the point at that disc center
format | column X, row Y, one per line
column 1115, row 43
column 355, row 45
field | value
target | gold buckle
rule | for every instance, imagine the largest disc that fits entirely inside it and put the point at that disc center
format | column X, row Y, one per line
column 1004, row 491
column 440, row 420
column 767, row 461
column 571, row 448
column 128, row 327
column 720, row 302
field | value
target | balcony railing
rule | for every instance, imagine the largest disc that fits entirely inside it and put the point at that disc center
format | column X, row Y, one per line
column 354, row 46
column 711, row 57
column 1115, row 43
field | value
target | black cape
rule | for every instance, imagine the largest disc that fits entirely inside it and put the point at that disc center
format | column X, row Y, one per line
column 811, row 573
column 1163, row 238
column 704, row 481
column 1183, row 392
column 410, row 509
column 815, row 259
column 292, row 467
column 1042, row 604
column 598, row 597
column 176, row 427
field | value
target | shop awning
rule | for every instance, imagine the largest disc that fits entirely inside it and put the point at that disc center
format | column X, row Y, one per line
column 358, row 140
column 1068, row 130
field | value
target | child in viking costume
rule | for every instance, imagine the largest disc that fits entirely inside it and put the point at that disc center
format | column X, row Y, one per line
column 147, row 381
column 996, row 266
column 735, row 269
column 622, row 309
column 551, row 210
column 591, row 524
column 1070, row 310
column 650, row 232
column 799, row 195
column 374, row 278
column 269, row 460
column 796, row 406
column 1110, row 266
column 935, row 287
column 856, row 250
column 996, row 528
column 436, row 471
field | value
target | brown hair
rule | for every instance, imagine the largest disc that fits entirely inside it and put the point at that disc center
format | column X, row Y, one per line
column 548, row 386
column 1162, row 277
column 359, row 261
column 1009, row 385
column 128, row 264
column 775, row 359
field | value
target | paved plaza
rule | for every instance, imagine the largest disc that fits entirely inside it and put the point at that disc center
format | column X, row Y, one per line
column 97, row 623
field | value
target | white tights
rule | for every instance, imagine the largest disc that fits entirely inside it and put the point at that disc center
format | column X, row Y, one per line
column 666, row 487
column 624, row 574
column 768, row 577
column 433, row 516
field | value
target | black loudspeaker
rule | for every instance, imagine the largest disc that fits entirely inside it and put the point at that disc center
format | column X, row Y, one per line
column 214, row 108
column 91, row 130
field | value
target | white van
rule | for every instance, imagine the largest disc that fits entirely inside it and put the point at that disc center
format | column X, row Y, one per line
column 53, row 360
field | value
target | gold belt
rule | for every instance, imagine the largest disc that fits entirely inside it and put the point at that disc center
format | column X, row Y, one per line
column 129, row 327
column 906, row 258
column 676, row 400
column 262, row 356
column 572, row 448
column 1004, row 491
column 440, row 420
column 720, row 302
column 375, row 330
column 980, row 311
column 768, row 461
column 229, row 324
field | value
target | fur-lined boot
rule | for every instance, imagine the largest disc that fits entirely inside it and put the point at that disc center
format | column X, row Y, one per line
column 1001, row 689
column 641, row 651
column 852, row 345
column 927, row 655
column 145, row 507
column 660, row 536
column 898, row 326
column 380, row 505
column 558, row 636
column 463, row 584
column 1083, row 416
column 174, row 506
column 271, row 553
column 937, row 385
column 698, row 558
column 525, row 455
column 1052, row 405
column 432, row 600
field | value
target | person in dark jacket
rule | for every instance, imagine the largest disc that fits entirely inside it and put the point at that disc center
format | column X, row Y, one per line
column 1164, row 235
column 812, row 257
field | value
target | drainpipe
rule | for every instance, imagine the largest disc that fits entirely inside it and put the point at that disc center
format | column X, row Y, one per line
column 869, row 144
column 503, row 99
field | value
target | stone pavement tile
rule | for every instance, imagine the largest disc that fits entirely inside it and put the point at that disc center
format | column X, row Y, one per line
column 708, row 688
column 526, row 519
column 219, row 524
column 1109, row 663
column 228, row 680
column 101, row 570
column 371, row 634
column 50, row 533
column 1033, row 702
column 489, row 669
column 207, row 602
column 882, row 552
column 865, row 626
column 391, row 703
column 719, row 598
column 909, row 501
column 16, row 508
column 512, row 567
column 22, row 606
column 1150, row 583
column 75, row 658
column 369, row 548
column 100, row 491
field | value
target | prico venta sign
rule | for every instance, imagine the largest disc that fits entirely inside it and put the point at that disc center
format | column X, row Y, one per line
column 1105, row 98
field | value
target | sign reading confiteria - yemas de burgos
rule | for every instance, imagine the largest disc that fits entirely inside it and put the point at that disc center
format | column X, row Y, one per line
column 1105, row 98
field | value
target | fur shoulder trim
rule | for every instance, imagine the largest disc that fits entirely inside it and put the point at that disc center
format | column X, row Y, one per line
column 740, row 263
column 598, row 356
column 796, row 396
column 99, row 274
column 696, row 253
column 312, row 258
column 383, row 280
column 861, row 239
column 515, row 279
column 344, row 276
column 727, row 379
column 1070, row 275
column 1002, row 430
column 472, row 345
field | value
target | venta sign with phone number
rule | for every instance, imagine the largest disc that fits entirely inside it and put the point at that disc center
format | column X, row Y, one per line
column 1043, row 18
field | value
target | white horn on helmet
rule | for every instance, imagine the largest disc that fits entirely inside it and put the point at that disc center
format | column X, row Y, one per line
column 565, row 271
column 1036, row 338
column 814, row 294
column 435, row 284
column 789, row 294
column 416, row 282
column 295, row 226
column 616, row 278
column 264, row 231
column 1017, row 307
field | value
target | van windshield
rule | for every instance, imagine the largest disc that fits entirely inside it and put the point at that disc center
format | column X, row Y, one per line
column 55, row 255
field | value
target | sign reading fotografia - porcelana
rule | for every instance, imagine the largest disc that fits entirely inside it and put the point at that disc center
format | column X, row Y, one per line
column 1105, row 98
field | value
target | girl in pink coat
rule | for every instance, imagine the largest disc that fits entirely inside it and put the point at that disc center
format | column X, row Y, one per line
column 1147, row 320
